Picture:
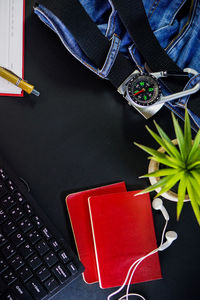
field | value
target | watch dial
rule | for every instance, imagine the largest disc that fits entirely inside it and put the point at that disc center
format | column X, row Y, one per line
column 144, row 90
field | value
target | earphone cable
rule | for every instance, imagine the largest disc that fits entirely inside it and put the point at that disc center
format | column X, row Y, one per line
column 136, row 263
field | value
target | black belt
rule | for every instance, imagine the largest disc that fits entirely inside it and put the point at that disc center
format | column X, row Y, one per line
column 96, row 46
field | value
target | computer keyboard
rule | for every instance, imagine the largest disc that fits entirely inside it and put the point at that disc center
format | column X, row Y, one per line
column 35, row 262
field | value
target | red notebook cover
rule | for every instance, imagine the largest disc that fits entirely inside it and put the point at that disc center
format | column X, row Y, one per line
column 77, row 204
column 123, row 231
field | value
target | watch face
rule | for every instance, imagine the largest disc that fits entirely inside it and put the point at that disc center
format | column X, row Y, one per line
column 144, row 90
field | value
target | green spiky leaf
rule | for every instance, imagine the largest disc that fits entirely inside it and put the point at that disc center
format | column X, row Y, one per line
column 170, row 183
column 169, row 147
column 187, row 133
column 162, row 172
column 181, row 195
column 158, row 184
column 193, row 165
column 195, row 181
column 180, row 137
column 168, row 161
column 182, row 164
column 192, row 195
column 195, row 147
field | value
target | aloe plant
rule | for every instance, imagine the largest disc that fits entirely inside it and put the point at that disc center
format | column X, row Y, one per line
column 182, row 164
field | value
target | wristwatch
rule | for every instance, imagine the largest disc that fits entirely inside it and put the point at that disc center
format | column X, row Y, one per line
column 143, row 91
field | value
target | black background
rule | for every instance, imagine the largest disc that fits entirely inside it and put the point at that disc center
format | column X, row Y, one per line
column 77, row 135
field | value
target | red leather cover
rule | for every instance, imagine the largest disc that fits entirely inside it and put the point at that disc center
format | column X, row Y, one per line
column 77, row 205
column 123, row 231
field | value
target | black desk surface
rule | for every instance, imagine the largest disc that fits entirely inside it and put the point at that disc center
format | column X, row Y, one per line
column 79, row 134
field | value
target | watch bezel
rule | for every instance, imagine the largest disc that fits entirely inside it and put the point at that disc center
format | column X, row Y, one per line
column 134, row 99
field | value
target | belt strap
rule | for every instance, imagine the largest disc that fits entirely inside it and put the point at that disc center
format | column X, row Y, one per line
column 92, row 42
column 134, row 18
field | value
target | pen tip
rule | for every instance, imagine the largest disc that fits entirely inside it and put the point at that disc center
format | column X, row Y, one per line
column 36, row 93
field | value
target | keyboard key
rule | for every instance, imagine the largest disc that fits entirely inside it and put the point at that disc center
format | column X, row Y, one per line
column 28, row 209
column 16, row 262
column 11, row 186
column 3, row 174
column 8, row 227
column 9, row 277
column 8, row 250
column 3, row 216
column 37, row 221
column 34, row 262
column 3, row 264
column 60, row 272
column 17, row 213
column 25, row 225
column 25, row 274
column 25, row 250
column 63, row 256
column 3, row 190
column 2, row 239
column 54, row 244
column 46, row 233
column 36, row 289
column 7, row 202
column 50, row 259
column 42, row 247
column 51, row 284
column 18, row 292
column 72, row 268
column 43, row 273
column 19, row 197
column 33, row 236
column 17, row 239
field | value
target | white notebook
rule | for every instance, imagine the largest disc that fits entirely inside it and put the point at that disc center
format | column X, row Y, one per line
column 12, row 43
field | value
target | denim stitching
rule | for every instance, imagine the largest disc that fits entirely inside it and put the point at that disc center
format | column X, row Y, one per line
column 154, row 8
column 111, row 20
column 107, row 57
column 185, row 31
column 100, row 72
column 113, row 23
column 181, row 5
column 151, row 8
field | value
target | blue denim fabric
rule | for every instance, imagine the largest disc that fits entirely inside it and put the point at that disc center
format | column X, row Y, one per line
column 180, row 37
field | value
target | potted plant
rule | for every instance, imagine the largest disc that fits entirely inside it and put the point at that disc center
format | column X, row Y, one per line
column 180, row 161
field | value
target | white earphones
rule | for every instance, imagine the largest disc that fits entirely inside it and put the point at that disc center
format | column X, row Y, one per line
column 157, row 204
column 171, row 236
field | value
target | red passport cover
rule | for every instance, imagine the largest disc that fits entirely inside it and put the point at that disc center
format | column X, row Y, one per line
column 123, row 231
column 77, row 204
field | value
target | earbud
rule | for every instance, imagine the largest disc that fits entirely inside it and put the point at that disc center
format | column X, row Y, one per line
column 158, row 205
column 170, row 236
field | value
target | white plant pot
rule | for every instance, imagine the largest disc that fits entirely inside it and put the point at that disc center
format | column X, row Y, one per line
column 154, row 166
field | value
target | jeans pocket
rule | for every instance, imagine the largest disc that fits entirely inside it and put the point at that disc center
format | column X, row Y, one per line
column 185, row 49
column 184, row 18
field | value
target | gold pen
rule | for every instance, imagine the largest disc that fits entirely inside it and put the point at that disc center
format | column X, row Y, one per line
column 19, row 82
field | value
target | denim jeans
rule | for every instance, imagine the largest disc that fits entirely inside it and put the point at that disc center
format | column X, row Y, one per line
column 176, row 25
